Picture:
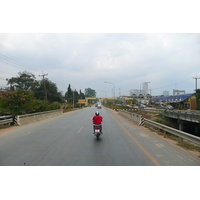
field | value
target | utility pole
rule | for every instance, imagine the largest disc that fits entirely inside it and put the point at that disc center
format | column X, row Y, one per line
column 196, row 81
column 45, row 90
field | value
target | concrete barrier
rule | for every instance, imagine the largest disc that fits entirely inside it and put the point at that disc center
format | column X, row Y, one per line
column 30, row 118
column 135, row 118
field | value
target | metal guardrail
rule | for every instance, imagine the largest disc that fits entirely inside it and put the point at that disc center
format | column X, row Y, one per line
column 39, row 113
column 181, row 134
column 5, row 117
column 6, row 121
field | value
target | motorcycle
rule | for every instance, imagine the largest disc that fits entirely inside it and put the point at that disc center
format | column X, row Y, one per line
column 97, row 131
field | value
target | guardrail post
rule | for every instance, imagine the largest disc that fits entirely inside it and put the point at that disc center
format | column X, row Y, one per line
column 181, row 142
column 164, row 132
column 141, row 121
column 16, row 120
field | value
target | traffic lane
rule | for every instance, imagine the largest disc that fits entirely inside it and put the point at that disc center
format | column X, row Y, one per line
column 68, row 140
column 163, row 151
column 31, row 143
column 83, row 149
column 113, row 148
column 126, row 151
column 42, row 142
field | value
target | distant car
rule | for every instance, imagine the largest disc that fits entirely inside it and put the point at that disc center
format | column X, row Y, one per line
column 169, row 107
column 99, row 106
column 142, row 106
column 160, row 106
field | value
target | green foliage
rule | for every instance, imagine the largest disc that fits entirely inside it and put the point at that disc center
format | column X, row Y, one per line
column 71, row 96
column 90, row 92
column 45, row 88
column 14, row 102
column 25, row 81
column 197, row 94
column 37, row 105
column 23, row 102
column 49, row 88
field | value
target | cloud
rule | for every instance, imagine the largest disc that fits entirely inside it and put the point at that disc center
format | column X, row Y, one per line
column 87, row 60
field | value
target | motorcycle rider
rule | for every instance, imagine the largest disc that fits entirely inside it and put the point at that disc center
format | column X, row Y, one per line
column 97, row 119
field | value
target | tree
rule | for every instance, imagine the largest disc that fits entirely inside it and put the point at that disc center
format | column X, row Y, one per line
column 90, row 92
column 197, row 94
column 25, row 81
column 81, row 95
column 48, row 90
column 69, row 94
column 76, row 96
column 15, row 102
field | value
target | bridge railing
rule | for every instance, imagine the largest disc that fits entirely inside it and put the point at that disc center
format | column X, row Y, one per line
column 6, row 121
column 29, row 118
column 141, row 121
column 181, row 134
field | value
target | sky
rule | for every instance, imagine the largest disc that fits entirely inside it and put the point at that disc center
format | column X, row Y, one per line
column 124, row 51
column 88, row 60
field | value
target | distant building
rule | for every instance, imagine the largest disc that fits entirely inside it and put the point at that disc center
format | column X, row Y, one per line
column 177, row 92
column 145, row 88
column 181, row 101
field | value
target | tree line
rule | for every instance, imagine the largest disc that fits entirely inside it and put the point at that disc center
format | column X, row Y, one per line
column 27, row 95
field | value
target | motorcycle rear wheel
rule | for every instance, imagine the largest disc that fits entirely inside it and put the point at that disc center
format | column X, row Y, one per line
column 98, row 136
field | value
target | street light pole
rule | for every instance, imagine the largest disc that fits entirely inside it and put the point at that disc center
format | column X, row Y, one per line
column 113, row 86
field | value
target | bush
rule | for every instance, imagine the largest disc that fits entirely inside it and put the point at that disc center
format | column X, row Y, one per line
column 14, row 102
column 41, row 106
column 23, row 102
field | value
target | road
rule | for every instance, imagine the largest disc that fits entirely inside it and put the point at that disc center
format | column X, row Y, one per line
column 67, row 140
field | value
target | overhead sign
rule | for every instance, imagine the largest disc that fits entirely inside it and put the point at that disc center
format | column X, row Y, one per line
column 81, row 101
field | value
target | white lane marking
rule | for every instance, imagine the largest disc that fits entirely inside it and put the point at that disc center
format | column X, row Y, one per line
column 27, row 133
column 80, row 130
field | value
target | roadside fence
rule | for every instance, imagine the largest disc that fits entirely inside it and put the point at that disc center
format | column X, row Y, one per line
column 141, row 121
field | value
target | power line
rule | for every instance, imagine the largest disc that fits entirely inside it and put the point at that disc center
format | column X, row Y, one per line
column 18, row 64
column 14, row 62
column 171, row 84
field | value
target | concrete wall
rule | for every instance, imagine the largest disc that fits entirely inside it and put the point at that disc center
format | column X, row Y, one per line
column 131, row 116
column 30, row 118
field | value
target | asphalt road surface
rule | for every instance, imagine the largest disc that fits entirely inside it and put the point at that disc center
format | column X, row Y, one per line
column 68, row 140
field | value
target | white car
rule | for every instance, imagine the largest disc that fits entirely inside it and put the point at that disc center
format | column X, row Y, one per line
column 142, row 106
column 169, row 107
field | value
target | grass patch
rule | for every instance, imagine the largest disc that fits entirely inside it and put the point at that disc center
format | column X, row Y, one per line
column 186, row 144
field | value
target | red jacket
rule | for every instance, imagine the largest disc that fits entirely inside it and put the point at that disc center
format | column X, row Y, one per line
column 97, row 119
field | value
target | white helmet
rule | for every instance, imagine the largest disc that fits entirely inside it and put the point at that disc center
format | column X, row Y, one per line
column 97, row 113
